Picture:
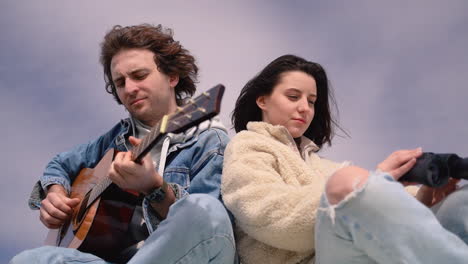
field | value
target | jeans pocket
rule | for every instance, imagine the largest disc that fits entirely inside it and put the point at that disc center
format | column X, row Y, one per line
column 179, row 176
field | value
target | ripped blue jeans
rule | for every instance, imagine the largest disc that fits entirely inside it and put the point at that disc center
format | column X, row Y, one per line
column 381, row 223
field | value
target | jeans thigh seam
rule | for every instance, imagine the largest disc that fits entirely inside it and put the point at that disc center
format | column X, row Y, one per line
column 227, row 237
column 351, row 221
column 78, row 260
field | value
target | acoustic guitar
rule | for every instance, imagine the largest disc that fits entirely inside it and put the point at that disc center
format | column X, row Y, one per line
column 99, row 224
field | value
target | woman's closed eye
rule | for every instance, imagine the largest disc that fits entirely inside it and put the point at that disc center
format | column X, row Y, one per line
column 293, row 97
column 297, row 97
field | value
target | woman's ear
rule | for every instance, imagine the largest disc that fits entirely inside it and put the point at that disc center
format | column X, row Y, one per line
column 261, row 102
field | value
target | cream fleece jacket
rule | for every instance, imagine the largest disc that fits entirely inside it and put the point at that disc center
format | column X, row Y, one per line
column 273, row 189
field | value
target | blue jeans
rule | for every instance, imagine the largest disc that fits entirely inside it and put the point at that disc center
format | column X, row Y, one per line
column 196, row 230
column 382, row 223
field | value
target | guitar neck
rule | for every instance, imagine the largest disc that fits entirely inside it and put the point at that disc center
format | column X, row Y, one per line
column 147, row 143
column 204, row 107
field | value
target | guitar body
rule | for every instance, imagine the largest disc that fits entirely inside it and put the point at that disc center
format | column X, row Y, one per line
column 101, row 227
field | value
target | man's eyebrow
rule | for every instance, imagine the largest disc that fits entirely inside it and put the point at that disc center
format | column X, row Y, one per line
column 138, row 70
column 119, row 76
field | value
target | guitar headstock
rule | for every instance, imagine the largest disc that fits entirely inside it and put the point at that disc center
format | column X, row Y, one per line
column 197, row 110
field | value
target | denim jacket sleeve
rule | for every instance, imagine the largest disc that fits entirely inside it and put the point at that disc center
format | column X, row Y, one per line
column 207, row 163
column 197, row 166
column 65, row 166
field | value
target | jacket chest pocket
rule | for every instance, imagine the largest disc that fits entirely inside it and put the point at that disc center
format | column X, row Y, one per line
column 180, row 176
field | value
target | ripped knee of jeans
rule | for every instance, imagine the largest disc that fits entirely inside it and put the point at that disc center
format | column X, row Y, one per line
column 342, row 186
column 344, row 182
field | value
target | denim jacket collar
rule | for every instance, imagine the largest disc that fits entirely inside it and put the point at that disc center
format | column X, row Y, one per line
column 172, row 142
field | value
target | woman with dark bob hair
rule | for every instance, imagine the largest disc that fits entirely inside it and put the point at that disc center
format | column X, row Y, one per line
column 292, row 206
column 246, row 109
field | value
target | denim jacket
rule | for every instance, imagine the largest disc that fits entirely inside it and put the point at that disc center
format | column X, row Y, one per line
column 193, row 163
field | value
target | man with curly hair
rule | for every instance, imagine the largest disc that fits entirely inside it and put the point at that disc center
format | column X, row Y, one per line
column 178, row 215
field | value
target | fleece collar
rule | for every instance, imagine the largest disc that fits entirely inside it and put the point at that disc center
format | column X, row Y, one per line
column 281, row 134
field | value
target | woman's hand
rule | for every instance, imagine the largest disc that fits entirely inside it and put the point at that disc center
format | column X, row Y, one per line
column 400, row 162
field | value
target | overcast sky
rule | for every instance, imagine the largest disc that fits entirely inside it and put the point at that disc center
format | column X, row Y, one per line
column 398, row 68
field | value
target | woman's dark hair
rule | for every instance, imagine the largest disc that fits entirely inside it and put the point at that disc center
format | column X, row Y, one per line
column 320, row 130
column 170, row 57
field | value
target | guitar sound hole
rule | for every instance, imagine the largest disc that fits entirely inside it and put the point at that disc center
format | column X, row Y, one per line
column 83, row 209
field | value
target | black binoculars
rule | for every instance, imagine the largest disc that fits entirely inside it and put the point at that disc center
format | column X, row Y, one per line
column 434, row 170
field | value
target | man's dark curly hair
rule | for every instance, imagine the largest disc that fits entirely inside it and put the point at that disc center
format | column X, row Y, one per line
column 169, row 55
